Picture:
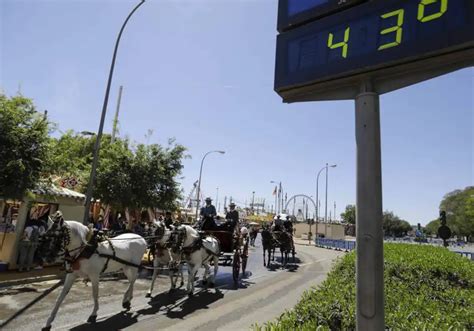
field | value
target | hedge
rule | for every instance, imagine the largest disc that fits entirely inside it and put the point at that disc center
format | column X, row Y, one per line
column 426, row 288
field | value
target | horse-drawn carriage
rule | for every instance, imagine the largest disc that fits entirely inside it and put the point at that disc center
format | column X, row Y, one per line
column 90, row 253
column 282, row 239
column 234, row 250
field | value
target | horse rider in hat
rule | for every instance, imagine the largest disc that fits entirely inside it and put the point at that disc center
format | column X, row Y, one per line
column 232, row 218
column 208, row 212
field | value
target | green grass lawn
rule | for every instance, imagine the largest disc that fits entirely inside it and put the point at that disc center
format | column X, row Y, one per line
column 426, row 288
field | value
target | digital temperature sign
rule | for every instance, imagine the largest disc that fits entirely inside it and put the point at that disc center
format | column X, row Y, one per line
column 372, row 36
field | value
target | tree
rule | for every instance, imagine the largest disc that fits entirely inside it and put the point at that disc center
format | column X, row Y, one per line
column 143, row 178
column 432, row 227
column 23, row 146
column 70, row 155
column 139, row 177
column 349, row 215
column 459, row 207
column 394, row 226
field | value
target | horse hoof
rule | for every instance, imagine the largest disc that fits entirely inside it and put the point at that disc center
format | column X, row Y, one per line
column 148, row 295
column 46, row 328
column 126, row 305
column 92, row 319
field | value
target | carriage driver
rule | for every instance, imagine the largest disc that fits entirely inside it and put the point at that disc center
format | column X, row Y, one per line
column 232, row 218
column 278, row 224
column 168, row 220
column 288, row 225
column 208, row 212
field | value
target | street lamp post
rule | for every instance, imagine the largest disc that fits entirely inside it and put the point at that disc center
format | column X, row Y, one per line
column 217, row 198
column 199, row 183
column 102, row 119
column 253, row 201
column 317, row 190
column 277, row 199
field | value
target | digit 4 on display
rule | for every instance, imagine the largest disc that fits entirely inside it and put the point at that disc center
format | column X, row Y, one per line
column 327, row 47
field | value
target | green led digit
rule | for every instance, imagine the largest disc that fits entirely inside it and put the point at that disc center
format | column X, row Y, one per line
column 342, row 44
column 424, row 3
column 397, row 29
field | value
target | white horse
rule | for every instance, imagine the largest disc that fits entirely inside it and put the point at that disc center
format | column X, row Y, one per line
column 197, row 252
column 71, row 237
column 164, row 256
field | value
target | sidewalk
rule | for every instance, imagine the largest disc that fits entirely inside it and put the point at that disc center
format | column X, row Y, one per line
column 13, row 277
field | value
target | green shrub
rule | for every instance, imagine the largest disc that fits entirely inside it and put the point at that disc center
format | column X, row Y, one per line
column 426, row 288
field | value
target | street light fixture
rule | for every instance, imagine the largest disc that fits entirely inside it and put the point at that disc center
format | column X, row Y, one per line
column 317, row 190
column 102, row 119
column 199, row 183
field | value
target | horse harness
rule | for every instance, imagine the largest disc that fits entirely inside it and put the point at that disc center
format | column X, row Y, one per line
column 87, row 250
column 178, row 236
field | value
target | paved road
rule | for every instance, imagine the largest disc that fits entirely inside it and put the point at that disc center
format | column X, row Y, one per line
column 262, row 295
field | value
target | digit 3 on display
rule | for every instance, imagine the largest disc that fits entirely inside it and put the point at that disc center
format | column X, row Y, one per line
column 366, row 38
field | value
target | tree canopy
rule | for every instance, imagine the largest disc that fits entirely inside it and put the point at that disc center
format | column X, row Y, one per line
column 459, row 207
column 128, row 176
column 23, row 146
column 394, row 225
column 349, row 215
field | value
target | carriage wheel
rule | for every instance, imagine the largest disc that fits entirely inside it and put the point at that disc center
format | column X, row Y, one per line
column 244, row 264
column 245, row 256
column 236, row 267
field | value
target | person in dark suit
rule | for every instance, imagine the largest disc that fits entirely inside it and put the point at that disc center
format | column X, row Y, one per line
column 168, row 220
column 232, row 218
column 208, row 212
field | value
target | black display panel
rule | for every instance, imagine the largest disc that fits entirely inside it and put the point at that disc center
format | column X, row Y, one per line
column 372, row 36
column 292, row 13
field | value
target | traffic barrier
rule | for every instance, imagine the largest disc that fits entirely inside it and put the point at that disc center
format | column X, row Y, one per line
column 347, row 245
column 469, row 255
column 340, row 245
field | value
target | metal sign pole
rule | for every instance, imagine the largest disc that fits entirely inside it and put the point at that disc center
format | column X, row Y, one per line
column 369, row 265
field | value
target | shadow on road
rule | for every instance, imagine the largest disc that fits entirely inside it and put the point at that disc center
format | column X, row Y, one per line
column 170, row 303
column 115, row 322
column 200, row 300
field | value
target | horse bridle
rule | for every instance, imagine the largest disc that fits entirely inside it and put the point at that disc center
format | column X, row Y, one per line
column 177, row 238
column 59, row 236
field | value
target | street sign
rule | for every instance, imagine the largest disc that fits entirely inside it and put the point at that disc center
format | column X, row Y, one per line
column 334, row 50
column 385, row 40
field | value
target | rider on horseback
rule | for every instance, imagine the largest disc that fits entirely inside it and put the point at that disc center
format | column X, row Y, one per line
column 208, row 212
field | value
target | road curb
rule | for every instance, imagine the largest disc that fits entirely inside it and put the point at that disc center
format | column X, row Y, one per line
column 30, row 280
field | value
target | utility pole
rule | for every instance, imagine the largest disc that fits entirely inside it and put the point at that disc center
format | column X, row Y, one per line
column 326, row 200
column 369, row 237
column 115, row 123
column 225, row 202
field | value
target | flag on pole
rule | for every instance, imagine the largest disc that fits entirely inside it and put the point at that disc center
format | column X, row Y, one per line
column 275, row 191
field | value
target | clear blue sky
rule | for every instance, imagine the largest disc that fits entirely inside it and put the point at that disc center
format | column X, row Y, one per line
column 202, row 71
